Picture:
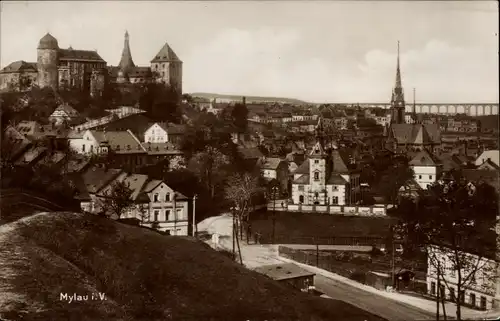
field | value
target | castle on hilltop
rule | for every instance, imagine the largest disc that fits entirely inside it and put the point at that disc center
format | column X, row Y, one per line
column 85, row 70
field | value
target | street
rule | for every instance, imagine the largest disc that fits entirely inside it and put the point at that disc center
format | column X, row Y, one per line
column 384, row 307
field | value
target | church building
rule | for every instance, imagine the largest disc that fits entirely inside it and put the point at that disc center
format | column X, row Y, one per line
column 325, row 177
column 413, row 136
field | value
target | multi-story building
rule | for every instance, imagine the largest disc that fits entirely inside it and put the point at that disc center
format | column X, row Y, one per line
column 324, row 178
column 155, row 204
column 56, row 68
column 426, row 167
column 483, row 289
column 85, row 70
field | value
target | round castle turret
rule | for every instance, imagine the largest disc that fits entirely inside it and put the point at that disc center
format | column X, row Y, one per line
column 47, row 62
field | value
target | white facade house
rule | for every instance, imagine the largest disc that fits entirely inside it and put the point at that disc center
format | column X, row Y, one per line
column 324, row 179
column 426, row 168
column 156, row 205
column 100, row 142
column 167, row 208
column 157, row 133
column 483, row 289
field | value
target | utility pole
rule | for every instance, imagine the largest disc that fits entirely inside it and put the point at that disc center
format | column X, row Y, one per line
column 274, row 190
column 393, row 261
column 233, row 211
column 194, row 217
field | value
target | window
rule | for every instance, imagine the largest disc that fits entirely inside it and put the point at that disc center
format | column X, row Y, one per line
column 167, row 215
column 335, row 188
column 462, row 296
column 316, row 195
column 335, row 200
column 452, row 294
column 83, row 147
column 472, row 299
column 155, row 198
column 419, row 176
column 430, row 176
column 433, row 288
column 179, row 214
column 301, row 187
column 316, row 176
column 156, row 215
column 316, row 161
column 483, row 303
column 167, row 197
column 301, row 199
column 91, row 148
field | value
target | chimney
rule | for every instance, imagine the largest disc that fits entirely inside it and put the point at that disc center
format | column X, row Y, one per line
column 244, row 100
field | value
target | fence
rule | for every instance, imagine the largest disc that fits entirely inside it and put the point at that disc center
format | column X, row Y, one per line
column 356, row 266
column 375, row 210
column 334, row 240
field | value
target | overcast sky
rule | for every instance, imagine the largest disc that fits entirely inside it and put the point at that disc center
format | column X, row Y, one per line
column 317, row 51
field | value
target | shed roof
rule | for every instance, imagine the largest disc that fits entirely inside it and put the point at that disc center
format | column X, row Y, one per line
column 283, row 271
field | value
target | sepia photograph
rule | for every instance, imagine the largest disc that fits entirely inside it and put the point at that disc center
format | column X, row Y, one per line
column 249, row 160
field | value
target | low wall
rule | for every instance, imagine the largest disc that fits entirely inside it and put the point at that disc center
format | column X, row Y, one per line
column 373, row 210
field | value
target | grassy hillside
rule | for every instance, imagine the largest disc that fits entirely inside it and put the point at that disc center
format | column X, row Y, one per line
column 144, row 275
column 253, row 99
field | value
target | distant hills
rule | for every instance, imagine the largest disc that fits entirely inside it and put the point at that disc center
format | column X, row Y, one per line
column 249, row 99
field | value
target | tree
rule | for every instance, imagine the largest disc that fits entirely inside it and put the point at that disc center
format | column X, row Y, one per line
column 177, row 162
column 393, row 178
column 240, row 191
column 239, row 114
column 210, row 167
column 116, row 200
column 452, row 223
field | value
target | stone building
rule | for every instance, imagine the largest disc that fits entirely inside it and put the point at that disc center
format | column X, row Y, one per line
column 85, row 70
column 56, row 68
column 166, row 67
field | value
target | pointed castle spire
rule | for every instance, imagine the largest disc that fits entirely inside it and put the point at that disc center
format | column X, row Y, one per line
column 126, row 62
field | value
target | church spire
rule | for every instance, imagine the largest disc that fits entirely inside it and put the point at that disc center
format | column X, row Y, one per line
column 126, row 62
column 398, row 73
column 398, row 99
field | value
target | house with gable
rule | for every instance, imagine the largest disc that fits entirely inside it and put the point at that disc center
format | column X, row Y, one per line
column 427, row 168
column 156, row 205
column 163, row 133
column 325, row 178
column 64, row 113
column 275, row 169
column 489, row 155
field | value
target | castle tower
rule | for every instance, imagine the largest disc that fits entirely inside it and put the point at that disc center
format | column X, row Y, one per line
column 47, row 61
column 398, row 99
column 317, row 169
column 126, row 62
column 167, row 68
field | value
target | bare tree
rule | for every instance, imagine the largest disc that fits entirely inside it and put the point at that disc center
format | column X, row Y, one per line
column 117, row 200
column 453, row 224
column 240, row 191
